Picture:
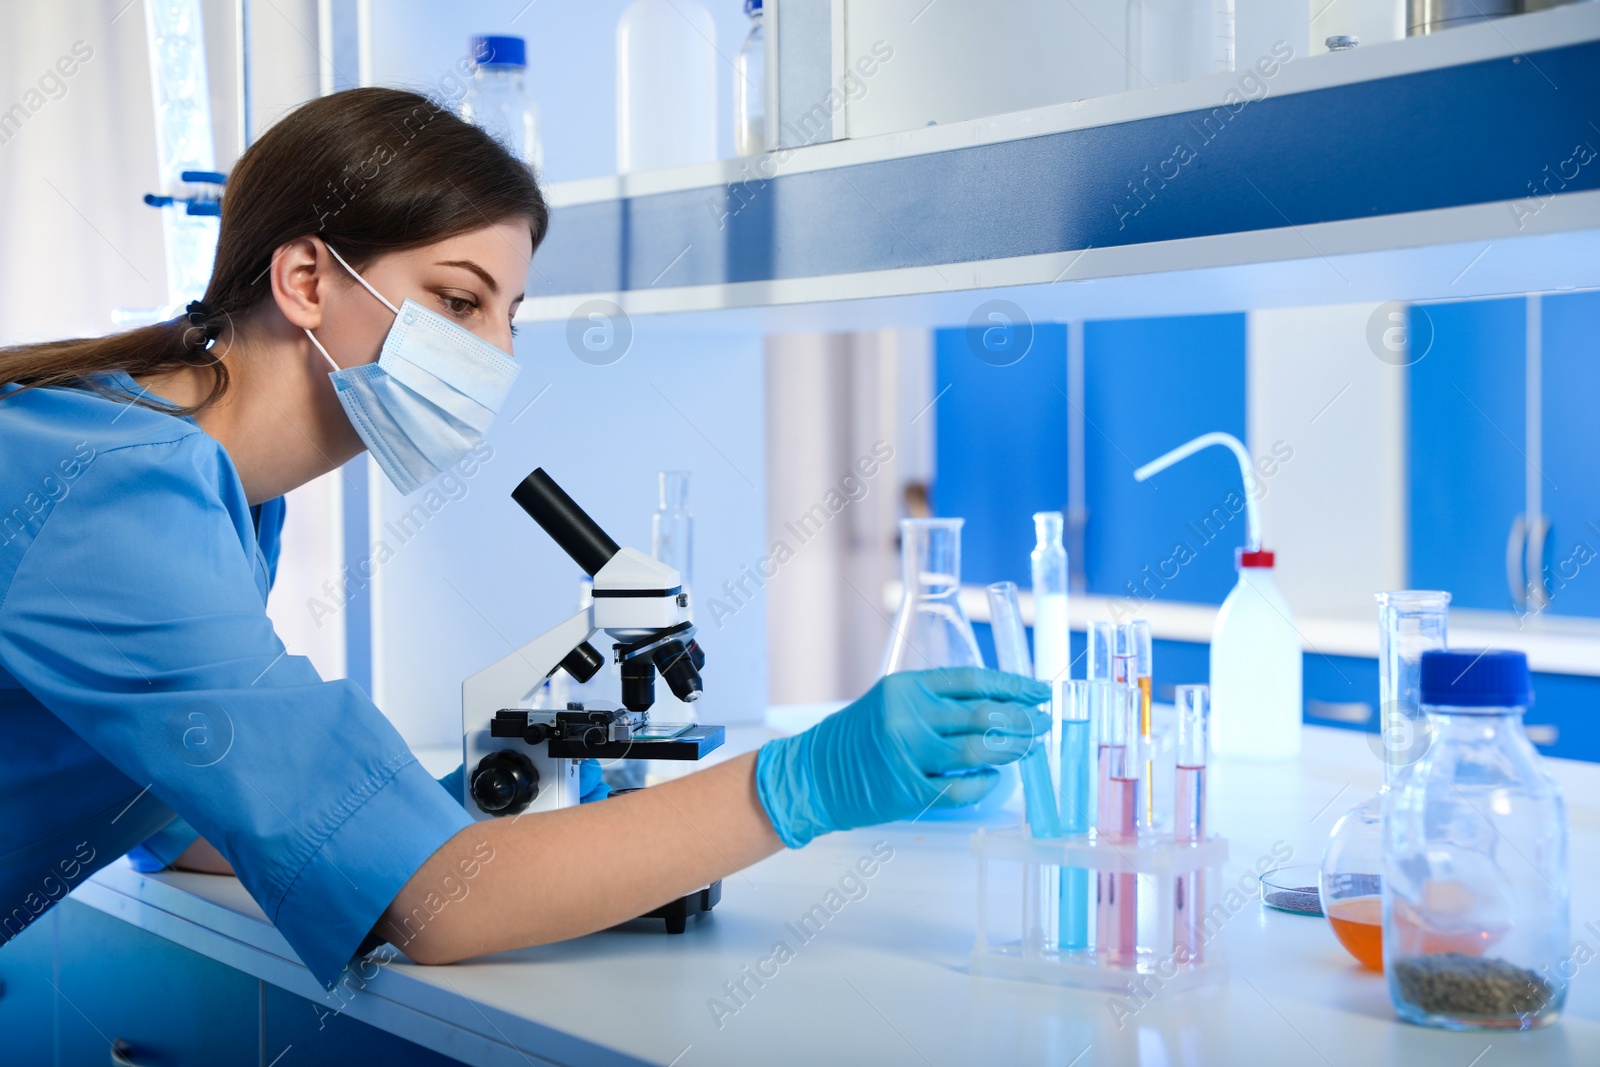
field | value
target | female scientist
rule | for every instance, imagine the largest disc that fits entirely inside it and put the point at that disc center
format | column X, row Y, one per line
column 372, row 255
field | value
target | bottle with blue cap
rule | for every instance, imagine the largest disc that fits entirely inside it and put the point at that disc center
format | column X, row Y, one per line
column 498, row 101
column 750, row 87
column 1475, row 897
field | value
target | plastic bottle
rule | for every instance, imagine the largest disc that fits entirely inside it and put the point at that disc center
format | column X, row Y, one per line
column 666, row 85
column 1255, row 667
column 498, row 101
column 1176, row 40
column 1256, row 690
column 750, row 88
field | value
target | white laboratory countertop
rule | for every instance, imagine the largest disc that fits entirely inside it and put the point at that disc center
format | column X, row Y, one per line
column 886, row 982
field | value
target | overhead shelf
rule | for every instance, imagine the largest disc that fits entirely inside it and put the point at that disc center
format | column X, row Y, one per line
column 1397, row 171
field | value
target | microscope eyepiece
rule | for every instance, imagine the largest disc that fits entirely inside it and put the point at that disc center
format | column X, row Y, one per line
column 566, row 523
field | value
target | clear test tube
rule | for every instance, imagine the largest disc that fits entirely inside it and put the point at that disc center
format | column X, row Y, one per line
column 1100, row 651
column 1117, row 905
column 1041, row 886
column 1189, row 821
column 1124, row 654
column 1142, row 673
column 1011, row 654
column 1077, row 796
column 1111, row 743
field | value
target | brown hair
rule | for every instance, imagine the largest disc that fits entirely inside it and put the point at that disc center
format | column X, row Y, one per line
column 370, row 171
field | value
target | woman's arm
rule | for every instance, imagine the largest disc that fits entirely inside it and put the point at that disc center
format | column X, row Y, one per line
column 202, row 856
column 914, row 741
column 562, row 874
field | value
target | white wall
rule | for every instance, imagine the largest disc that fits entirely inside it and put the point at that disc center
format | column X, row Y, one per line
column 77, row 240
column 1336, row 512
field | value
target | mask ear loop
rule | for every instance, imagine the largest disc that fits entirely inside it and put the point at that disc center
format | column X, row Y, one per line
column 359, row 278
column 364, row 285
column 324, row 351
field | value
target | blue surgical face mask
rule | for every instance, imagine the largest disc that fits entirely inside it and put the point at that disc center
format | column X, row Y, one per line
column 431, row 396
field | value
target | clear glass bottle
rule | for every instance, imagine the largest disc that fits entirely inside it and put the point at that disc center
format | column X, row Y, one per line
column 1410, row 622
column 1475, row 885
column 672, row 527
column 750, row 88
column 498, row 101
column 672, row 542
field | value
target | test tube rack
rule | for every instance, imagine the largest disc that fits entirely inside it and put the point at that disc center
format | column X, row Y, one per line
column 1164, row 956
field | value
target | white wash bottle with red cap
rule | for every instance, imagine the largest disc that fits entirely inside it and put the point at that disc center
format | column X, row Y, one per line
column 1256, row 690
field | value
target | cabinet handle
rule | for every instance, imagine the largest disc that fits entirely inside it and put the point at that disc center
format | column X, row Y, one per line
column 1515, row 581
column 1354, row 713
column 1538, row 591
column 121, row 1052
column 1543, row 733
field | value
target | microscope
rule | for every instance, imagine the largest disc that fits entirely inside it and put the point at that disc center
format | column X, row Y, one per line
column 522, row 760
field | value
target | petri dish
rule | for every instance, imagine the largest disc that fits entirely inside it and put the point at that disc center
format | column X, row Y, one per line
column 1292, row 889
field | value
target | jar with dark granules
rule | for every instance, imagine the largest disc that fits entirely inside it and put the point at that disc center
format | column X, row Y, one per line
column 1488, row 992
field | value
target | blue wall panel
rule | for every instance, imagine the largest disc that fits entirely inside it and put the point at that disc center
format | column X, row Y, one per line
column 1150, row 385
column 1001, row 441
column 1467, row 440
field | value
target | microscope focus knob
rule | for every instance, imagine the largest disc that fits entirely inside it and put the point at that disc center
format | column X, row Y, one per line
column 505, row 782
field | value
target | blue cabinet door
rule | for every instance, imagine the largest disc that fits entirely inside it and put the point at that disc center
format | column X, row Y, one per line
column 169, row 1005
column 1570, row 402
column 1150, row 385
column 1468, row 436
column 27, row 1003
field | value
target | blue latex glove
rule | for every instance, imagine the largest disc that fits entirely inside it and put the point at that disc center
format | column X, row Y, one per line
column 590, row 785
column 916, row 740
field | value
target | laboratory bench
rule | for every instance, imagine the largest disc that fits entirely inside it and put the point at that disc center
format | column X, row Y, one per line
column 883, row 979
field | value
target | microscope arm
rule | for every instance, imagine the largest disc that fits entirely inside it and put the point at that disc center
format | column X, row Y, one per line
column 504, row 683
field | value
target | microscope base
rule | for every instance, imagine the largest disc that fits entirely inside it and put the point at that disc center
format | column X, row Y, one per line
column 677, row 912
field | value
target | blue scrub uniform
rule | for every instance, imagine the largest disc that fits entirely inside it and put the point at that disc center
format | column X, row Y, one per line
column 140, row 679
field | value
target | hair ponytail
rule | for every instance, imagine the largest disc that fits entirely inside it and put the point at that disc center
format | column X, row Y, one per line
column 371, row 171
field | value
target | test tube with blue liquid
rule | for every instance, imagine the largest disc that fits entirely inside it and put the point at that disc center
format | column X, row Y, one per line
column 1011, row 655
column 1077, row 811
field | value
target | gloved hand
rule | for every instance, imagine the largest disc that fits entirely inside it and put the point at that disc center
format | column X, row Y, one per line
column 916, row 740
column 590, row 785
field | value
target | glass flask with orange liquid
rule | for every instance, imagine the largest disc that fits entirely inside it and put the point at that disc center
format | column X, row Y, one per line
column 1410, row 622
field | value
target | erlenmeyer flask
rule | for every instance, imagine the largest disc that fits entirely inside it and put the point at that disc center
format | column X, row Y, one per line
column 930, row 630
column 1410, row 622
